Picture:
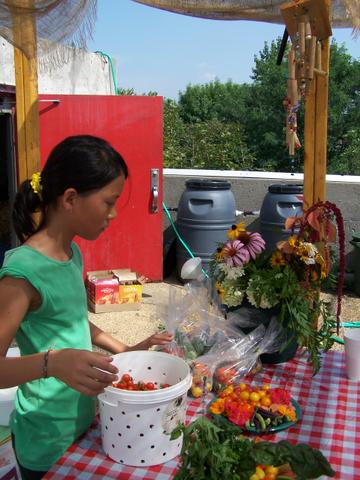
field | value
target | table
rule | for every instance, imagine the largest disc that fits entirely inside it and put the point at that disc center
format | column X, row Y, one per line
column 330, row 422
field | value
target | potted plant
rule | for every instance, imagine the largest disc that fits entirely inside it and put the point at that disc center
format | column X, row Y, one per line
column 289, row 280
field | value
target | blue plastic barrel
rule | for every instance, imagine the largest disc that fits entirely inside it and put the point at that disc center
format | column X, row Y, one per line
column 205, row 213
column 280, row 202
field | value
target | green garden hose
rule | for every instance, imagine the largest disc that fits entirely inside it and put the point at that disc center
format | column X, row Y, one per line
column 103, row 54
column 179, row 237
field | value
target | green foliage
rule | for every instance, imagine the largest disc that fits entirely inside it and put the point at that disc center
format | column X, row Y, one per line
column 210, row 144
column 213, row 450
column 214, row 100
column 255, row 112
column 344, row 112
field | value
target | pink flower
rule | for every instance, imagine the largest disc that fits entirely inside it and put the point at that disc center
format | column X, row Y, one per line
column 253, row 243
column 234, row 253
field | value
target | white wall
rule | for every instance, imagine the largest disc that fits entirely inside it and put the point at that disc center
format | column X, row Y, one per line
column 83, row 73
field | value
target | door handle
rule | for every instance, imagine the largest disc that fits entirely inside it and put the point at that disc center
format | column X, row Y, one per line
column 154, row 186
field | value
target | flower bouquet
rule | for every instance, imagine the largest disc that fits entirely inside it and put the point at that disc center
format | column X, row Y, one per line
column 290, row 278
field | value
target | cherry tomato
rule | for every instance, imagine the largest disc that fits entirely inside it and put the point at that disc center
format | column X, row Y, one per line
column 150, row 386
column 126, row 378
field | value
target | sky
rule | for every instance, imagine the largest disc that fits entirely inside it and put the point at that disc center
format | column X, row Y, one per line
column 161, row 51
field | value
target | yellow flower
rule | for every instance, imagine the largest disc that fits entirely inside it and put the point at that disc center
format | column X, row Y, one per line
column 218, row 407
column 35, row 182
column 277, row 259
column 235, row 230
column 219, row 254
column 292, row 241
column 220, row 289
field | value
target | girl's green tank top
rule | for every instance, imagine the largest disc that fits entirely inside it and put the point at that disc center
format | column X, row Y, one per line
column 49, row 415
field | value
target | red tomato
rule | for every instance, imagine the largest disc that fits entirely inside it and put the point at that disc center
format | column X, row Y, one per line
column 126, row 378
column 150, row 386
column 121, row 385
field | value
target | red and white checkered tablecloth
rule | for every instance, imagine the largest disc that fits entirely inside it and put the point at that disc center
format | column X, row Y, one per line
column 330, row 422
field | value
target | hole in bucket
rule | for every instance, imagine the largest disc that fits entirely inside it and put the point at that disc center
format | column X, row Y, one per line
column 119, row 434
column 151, row 426
column 158, row 409
column 113, row 446
column 152, row 446
column 164, row 454
column 149, row 368
column 106, row 427
column 128, row 426
column 129, row 446
column 121, row 461
column 142, row 461
column 141, row 434
column 123, row 413
column 111, row 419
column 138, row 415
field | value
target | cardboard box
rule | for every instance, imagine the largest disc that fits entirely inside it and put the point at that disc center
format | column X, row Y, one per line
column 113, row 290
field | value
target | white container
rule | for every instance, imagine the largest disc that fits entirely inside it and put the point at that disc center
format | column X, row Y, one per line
column 7, row 395
column 136, row 425
column 352, row 354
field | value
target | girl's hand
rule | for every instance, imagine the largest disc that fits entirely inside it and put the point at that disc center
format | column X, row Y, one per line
column 81, row 370
column 156, row 339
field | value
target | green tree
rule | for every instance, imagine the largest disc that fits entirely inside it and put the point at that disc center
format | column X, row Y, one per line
column 344, row 112
column 348, row 160
column 214, row 100
column 175, row 137
column 210, row 144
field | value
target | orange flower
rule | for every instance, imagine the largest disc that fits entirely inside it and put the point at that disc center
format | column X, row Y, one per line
column 218, row 407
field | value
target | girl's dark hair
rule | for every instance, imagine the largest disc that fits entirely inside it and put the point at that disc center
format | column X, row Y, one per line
column 82, row 162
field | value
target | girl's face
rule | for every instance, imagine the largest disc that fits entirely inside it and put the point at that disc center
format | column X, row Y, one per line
column 92, row 212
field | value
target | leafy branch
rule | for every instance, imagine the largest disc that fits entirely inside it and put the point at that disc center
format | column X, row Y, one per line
column 213, row 450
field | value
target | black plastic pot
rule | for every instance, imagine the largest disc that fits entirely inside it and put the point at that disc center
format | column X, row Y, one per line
column 258, row 316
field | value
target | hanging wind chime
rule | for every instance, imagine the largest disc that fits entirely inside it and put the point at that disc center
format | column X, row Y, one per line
column 307, row 23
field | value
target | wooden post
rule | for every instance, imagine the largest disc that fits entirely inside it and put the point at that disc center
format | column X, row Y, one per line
column 315, row 131
column 26, row 87
column 321, row 115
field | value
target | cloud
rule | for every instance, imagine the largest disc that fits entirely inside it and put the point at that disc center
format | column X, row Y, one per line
column 209, row 76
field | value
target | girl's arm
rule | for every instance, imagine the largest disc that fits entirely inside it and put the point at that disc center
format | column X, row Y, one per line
column 107, row 342
column 71, row 366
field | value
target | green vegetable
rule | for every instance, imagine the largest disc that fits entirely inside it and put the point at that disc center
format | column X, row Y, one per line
column 214, row 450
column 261, row 421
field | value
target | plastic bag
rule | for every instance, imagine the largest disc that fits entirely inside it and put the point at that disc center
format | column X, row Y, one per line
column 259, row 341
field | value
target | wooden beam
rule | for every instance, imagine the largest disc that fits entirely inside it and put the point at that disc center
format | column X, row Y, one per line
column 309, row 142
column 317, row 13
column 315, row 129
column 26, row 87
column 321, row 125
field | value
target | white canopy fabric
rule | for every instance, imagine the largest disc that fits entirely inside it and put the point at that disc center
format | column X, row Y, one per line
column 345, row 13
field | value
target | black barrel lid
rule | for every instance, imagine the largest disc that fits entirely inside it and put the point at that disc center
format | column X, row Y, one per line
column 207, row 184
column 286, row 188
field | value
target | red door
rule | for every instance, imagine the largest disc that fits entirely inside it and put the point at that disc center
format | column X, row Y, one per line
column 133, row 126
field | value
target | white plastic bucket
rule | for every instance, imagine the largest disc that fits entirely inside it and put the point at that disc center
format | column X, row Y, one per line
column 136, row 425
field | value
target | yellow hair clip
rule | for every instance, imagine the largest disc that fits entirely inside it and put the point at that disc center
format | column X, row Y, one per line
column 35, row 182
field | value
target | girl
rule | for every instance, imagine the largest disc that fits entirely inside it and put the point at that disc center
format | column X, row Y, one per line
column 43, row 301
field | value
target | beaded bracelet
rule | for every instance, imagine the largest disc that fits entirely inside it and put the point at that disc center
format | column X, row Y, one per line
column 45, row 364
